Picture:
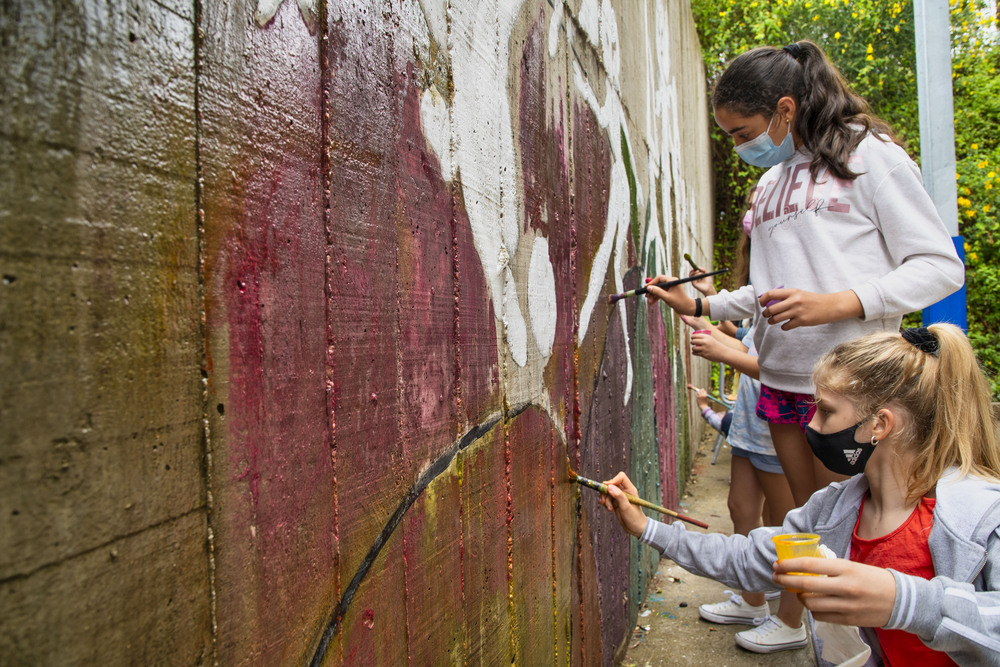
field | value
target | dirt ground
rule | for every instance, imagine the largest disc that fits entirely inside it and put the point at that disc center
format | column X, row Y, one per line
column 671, row 634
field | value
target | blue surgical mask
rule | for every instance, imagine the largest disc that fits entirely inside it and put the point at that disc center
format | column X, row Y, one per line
column 761, row 151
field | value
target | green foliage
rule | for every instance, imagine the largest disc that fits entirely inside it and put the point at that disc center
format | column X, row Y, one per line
column 872, row 43
column 977, row 149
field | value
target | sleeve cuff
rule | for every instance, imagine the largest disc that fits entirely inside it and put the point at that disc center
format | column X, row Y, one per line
column 717, row 307
column 648, row 532
column 871, row 301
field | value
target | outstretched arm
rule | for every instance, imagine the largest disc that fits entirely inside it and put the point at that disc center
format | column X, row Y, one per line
column 714, row 347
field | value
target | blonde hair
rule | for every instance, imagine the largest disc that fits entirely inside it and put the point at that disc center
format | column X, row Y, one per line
column 944, row 394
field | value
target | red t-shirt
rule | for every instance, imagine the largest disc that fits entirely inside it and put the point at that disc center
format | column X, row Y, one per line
column 904, row 550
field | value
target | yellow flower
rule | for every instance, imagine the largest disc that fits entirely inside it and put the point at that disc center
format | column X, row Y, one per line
column 974, row 257
column 987, row 208
column 974, row 147
column 896, row 29
column 816, row 18
column 988, row 186
column 982, row 165
column 836, row 35
column 870, row 50
column 967, row 247
column 970, row 213
column 992, row 174
column 964, row 203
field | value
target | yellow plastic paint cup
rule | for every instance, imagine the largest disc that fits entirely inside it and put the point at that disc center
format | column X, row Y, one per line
column 797, row 545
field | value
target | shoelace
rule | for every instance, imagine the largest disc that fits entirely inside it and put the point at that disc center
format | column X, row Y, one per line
column 761, row 621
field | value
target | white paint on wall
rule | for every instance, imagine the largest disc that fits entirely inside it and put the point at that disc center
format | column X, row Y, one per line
column 266, row 9
column 435, row 120
column 555, row 23
column 613, row 249
column 589, row 19
column 474, row 140
column 657, row 235
column 542, row 297
column 436, row 15
column 481, row 148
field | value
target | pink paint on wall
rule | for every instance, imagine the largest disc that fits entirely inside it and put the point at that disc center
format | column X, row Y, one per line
column 548, row 209
column 606, row 449
column 372, row 472
column 664, row 404
column 263, row 255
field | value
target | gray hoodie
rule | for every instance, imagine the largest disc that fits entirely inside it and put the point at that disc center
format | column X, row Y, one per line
column 878, row 235
column 958, row 611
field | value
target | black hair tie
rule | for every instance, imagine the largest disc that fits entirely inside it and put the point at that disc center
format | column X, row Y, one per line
column 922, row 339
column 794, row 50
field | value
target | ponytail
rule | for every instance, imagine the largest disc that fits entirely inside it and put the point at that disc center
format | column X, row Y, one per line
column 935, row 379
column 830, row 119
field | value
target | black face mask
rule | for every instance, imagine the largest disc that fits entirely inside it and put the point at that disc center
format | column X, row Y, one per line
column 839, row 452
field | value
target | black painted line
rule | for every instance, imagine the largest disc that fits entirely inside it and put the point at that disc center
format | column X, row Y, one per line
column 433, row 471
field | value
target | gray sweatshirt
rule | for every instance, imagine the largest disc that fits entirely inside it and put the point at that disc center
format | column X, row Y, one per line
column 878, row 235
column 958, row 611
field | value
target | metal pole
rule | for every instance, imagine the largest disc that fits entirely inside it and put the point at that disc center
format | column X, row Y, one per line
column 937, row 136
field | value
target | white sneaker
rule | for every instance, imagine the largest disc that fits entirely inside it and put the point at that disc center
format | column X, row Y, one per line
column 772, row 636
column 733, row 610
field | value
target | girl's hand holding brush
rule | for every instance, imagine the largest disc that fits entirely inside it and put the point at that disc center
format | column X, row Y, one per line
column 704, row 285
column 675, row 297
column 631, row 516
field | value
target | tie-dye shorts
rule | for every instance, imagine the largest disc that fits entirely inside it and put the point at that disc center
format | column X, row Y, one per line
column 777, row 406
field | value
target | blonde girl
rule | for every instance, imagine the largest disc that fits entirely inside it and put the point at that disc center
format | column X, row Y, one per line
column 916, row 526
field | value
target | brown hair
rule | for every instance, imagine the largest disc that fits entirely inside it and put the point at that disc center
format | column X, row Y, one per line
column 945, row 396
column 830, row 119
column 741, row 267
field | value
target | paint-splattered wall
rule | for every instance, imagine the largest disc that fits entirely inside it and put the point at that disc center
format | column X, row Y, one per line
column 303, row 315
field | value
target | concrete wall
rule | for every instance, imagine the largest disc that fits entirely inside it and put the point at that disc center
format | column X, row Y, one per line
column 303, row 316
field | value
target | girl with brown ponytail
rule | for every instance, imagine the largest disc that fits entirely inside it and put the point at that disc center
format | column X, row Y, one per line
column 915, row 530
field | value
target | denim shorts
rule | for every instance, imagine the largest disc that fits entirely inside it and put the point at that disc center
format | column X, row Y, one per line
column 777, row 406
column 762, row 462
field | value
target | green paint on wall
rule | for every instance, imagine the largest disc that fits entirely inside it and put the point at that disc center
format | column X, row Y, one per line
column 633, row 193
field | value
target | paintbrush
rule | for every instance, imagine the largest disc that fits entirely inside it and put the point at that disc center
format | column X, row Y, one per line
column 635, row 500
column 710, row 397
column 691, row 262
column 667, row 285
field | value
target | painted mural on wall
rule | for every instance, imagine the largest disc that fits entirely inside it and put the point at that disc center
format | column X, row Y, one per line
column 386, row 250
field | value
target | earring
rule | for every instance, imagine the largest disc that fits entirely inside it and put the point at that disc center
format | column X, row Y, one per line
column 874, row 441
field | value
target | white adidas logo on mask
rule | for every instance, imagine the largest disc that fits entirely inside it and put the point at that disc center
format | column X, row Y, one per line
column 852, row 455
